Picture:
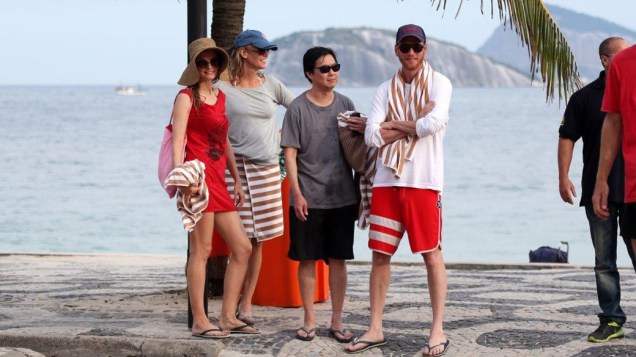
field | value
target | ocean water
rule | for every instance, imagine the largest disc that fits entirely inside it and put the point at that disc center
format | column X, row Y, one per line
column 78, row 166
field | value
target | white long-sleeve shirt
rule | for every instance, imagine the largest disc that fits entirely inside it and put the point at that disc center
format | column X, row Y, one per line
column 426, row 170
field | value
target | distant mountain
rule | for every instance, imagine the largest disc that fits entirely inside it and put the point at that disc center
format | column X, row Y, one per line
column 367, row 59
column 584, row 34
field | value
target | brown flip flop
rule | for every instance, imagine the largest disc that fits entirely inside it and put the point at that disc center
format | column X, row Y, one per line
column 333, row 333
column 311, row 333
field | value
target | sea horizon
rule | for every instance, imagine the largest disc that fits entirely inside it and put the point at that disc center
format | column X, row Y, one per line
column 88, row 175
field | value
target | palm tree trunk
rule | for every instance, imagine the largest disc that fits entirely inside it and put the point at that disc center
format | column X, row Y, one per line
column 227, row 21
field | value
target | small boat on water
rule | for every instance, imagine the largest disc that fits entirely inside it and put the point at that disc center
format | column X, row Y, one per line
column 130, row 90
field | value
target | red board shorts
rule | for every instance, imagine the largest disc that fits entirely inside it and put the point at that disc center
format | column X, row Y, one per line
column 396, row 209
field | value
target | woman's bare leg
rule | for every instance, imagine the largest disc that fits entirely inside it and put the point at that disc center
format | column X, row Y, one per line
column 253, row 270
column 229, row 226
column 200, row 247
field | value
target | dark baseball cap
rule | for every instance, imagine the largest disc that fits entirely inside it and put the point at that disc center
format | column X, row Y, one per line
column 254, row 38
column 410, row 30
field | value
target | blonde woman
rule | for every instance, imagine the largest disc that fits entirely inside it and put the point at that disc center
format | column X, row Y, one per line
column 199, row 116
column 252, row 101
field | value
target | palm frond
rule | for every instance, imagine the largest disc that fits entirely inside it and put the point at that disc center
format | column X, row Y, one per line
column 548, row 49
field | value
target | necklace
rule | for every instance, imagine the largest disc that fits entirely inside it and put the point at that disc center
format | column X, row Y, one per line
column 259, row 77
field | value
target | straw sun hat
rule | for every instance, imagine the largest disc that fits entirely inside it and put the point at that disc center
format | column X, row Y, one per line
column 190, row 75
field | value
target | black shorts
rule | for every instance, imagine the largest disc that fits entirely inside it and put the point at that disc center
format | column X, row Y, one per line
column 327, row 234
column 628, row 226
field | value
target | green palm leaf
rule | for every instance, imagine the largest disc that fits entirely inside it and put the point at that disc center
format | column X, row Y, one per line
column 549, row 51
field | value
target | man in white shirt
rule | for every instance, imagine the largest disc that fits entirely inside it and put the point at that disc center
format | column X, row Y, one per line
column 408, row 118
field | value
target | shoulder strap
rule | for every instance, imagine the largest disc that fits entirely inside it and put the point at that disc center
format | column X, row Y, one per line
column 188, row 91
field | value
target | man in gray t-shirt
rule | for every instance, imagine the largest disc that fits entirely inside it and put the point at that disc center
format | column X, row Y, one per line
column 323, row 195
column 324, row 177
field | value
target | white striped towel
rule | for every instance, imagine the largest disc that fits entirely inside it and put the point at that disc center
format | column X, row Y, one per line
column 366, row 187
column 191, row 207
column 405, row 106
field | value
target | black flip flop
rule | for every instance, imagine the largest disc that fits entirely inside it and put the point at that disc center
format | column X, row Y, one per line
column 367, row 345
column 215, row 337
column 249, row 320
column 445, row 344
column 245, row 330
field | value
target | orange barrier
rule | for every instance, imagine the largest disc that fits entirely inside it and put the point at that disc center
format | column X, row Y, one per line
column 278, row 281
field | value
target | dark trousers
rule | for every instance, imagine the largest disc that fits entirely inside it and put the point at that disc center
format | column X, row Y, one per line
column 604, row 238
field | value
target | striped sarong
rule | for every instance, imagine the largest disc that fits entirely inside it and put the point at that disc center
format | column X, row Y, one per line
column 262, row 212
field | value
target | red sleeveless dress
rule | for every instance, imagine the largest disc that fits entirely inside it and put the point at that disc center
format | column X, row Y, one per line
column 207, row 134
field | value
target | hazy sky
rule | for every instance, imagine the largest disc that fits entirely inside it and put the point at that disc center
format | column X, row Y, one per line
column 144, row 41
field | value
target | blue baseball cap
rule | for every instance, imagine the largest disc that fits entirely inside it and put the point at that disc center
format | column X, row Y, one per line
column 410, row 30
column 254, row 38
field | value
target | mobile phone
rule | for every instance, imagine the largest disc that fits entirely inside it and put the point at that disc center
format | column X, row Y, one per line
column 355, row 114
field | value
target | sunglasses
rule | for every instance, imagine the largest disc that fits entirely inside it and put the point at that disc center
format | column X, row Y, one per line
column 326, row 69
column 406, row 47
column 260, row 51
column 214, row 62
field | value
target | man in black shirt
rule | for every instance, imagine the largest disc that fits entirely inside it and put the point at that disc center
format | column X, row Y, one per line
column 583, row 119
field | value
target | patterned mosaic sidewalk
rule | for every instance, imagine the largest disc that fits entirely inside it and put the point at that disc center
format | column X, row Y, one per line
column 132, row 305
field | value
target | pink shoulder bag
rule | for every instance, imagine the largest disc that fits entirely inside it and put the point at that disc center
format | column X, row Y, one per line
column 165, row 159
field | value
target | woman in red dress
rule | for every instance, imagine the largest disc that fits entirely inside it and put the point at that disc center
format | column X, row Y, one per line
column 199, row 115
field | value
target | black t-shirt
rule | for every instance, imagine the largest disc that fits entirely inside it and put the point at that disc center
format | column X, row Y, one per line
column 583, row 118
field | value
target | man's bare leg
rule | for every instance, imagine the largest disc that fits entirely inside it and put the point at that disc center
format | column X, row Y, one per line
column 378, row 287
column 307, row 285
column 437, row 286
column 338, row 288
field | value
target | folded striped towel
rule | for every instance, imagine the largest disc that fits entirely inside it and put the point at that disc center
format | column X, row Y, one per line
column 191, row 207
column 366, row 187
column 362, row 159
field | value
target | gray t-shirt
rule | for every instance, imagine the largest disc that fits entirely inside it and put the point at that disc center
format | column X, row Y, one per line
column 325, row 178
column 252, row 115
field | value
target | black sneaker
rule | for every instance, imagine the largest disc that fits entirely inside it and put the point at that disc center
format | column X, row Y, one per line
column 606, row 332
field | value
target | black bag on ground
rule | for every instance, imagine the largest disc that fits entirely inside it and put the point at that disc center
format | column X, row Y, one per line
column 547, row 254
